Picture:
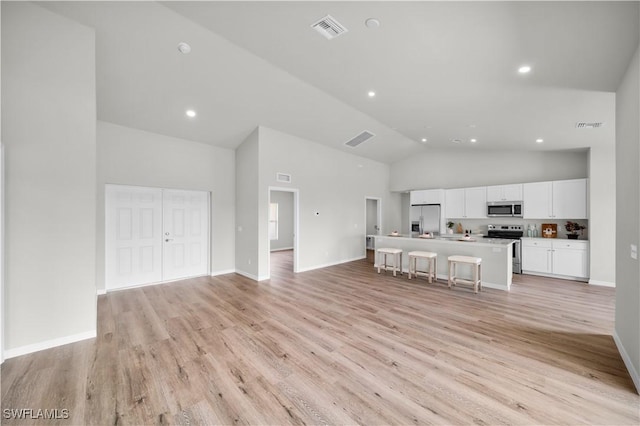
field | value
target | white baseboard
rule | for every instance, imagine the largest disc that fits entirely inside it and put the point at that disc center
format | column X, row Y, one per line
column 627, row 361
column 48, row 344
column 225, row 272
column 282, row 249
column 101, row 291
column 251, row 276
column 602, row 283
column 326, row 265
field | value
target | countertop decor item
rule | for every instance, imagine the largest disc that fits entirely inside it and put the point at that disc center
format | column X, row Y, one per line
column 450, row 227
column 573, row 228
column 549, row 230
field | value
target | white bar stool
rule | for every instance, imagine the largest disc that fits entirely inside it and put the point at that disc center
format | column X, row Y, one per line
column 397, row 259
column 431, row 259
column 475, row 262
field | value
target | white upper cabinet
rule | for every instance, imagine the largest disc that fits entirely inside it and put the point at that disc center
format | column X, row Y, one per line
column 476, row 202
column 427, row 196
column 562, row 199
column 466, row 203
column 454, row 203
column 504, row 192
column 537, row 200
column 570, row 199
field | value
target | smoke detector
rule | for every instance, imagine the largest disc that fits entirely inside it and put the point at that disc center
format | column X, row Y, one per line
column 329, row 27
column 184, row 47
column 585, row 125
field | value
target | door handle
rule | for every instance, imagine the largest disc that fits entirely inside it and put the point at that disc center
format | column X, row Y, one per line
column 168, row 239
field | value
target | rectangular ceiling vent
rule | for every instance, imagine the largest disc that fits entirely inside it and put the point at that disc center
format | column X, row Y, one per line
column 329, row 27
column 283, row 177
column 362, row 137
column 585, row 125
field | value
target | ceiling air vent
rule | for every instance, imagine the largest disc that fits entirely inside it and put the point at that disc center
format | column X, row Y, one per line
column 329, row 27
column 585, row 125
column 357, row 140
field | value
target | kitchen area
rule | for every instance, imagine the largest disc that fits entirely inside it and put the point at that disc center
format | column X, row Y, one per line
column 542, row 225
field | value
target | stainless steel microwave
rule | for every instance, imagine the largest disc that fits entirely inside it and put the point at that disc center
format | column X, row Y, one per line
column 504, row 209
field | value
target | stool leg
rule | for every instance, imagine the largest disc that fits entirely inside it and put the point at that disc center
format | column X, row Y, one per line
column 480, row 276
column 400, row 264
column 475, row 278
column 379, row 259
column 411, row 259
column 450, row 271
column 435, row 268
column 395, row 260
column 430, row 265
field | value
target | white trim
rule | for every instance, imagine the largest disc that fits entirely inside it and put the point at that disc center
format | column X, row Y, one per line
column 296, row 230
column 111, row 290
column 560, row 277
column 101, row 291
column 282, row 249
column 627, row 361
column 47, row 344
column 326, row 265
column 253, row 277
column 224, row 272
column 602, row 283
column 2, row 234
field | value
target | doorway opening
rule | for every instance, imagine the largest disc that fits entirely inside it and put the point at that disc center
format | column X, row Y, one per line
column 283, row 231
column 373, row 221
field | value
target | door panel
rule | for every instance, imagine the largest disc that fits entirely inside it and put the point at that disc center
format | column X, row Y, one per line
column 133, row 234
column 186, row 234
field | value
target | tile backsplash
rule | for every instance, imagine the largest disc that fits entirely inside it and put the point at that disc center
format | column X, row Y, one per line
column 479, row 226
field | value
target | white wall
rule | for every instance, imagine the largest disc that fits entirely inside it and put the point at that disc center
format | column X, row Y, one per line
column 602, row 210
column 627, row 328
column 454, row 168
column 247, row 228
column 331, row 183
column 129, row 156
column 49, row 132
column 285, row 220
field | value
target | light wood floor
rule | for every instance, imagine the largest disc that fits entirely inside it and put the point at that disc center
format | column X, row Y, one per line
column 341, row 345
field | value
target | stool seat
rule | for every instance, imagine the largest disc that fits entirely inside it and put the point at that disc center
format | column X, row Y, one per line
column 431, row 273
column 465, row 259
column 425, row 254
column 389, row 250
column 396, row 255
column 474, row 262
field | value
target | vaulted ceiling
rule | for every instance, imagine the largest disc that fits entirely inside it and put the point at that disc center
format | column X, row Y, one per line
column 446, row 72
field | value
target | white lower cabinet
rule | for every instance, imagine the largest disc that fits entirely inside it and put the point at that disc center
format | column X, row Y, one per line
column 561, row 258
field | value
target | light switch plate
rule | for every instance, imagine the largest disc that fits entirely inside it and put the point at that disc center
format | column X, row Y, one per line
column 634, row 251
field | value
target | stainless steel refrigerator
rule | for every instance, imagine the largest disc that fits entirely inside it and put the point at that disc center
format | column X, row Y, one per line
column 425, row 218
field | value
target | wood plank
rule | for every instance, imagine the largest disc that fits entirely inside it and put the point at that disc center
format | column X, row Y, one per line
column 340, row 345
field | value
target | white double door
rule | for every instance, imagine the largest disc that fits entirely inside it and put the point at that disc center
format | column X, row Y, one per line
column 155, row 235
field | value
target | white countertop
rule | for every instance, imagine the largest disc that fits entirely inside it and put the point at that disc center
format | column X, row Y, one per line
column 453, row 239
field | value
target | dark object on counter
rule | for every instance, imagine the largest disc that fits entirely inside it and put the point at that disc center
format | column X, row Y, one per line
column 572, row 236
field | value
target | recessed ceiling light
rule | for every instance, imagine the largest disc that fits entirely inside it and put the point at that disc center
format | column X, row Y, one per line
column 184, row 47
column 190, row 113
column 539, row 140
column 424, row 139
column 372, row 23
column 524, row 69
column 371, row 93
column 472, row 126
column 473, row 140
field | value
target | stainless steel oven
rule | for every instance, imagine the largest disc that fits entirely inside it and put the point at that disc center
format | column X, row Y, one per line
column 510, row 232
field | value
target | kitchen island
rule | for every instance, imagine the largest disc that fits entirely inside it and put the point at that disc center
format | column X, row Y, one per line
column 496, row 255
